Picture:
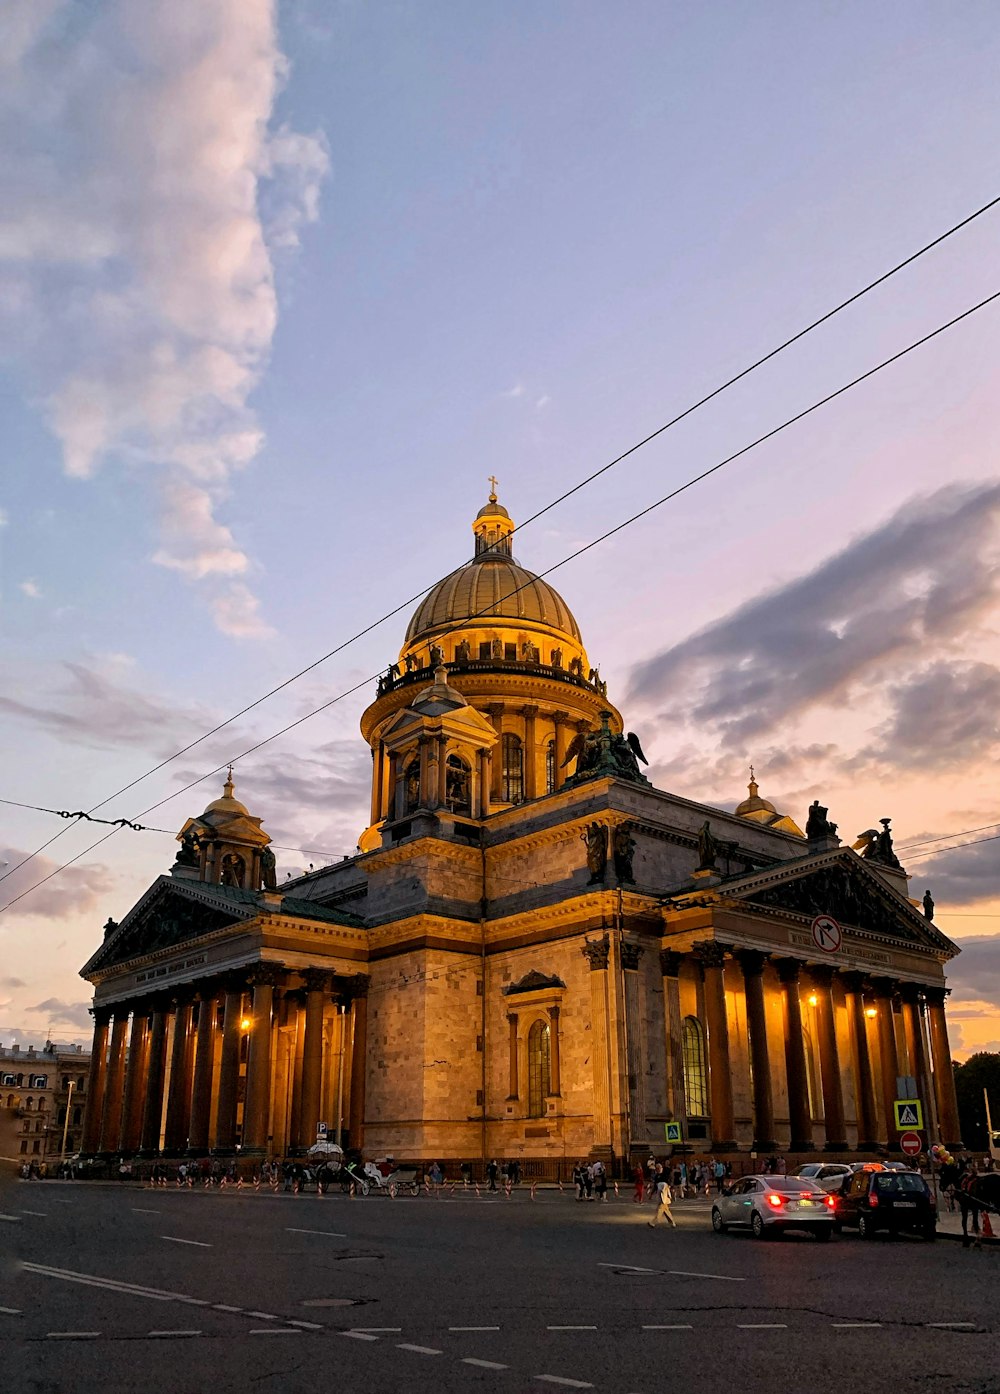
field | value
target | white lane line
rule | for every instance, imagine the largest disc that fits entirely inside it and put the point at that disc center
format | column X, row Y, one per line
column 173, row 1333
column 262, row 1316
column 138, row 1210
column 558, row 1379
column 61, row 1202
column 327, row 1233
column 685, row 1327
column 952, row 1325
column 484, row 1364
column 15, row 1219
column 718, row 1277
column 225, row 1307
column 379, row 1330
column 11, row 1311
column 69, row 1275
column 306, row 1325
column 571, row 1328
column 72, row 1335
column 274, row 1331
column 850, row 1325
column 762, row 1326
column 42, row 1214
column 473, row 1328
column 626, row 1268
column 417, row 1350
column 196, row 1243
column 359, row 1335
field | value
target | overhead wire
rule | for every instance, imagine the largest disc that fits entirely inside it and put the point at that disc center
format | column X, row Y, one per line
column 580, row 551
column 581, row 484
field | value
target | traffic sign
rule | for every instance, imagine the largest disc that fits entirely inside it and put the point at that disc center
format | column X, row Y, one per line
column 826, row 933
column 910, row 1143
column 909, row 1114
column 672, row 1132
column 321, row 1130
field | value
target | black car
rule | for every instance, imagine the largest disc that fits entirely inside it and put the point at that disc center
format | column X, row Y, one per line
column 886, row 1200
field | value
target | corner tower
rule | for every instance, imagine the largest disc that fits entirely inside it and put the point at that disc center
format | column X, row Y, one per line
column 514, row 652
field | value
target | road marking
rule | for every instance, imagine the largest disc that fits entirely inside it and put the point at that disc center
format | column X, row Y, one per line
column 952, row 1325
column 484, row 1364
column 762, row 1325
column 263, row 1316
column 72, row 1335
column 571, row 1328
column 68, row 1275
column 224, row 1307
column 197, row 1243
column 15, row 1219
column 138, row 1210
column 848, row 1325
column 42, row 1214
column 328, row 1233
column 61, row 1202
column 359, row 1335
column 379, row 1330
column 717, row 1277
column 685, row 1327
column 274, row 1331
column 307, row 1325
column 11, row 1311
column 474, row 1328
column 626, row 1268
column 417, row 1350
column 173, row 1333
column 558, row 1379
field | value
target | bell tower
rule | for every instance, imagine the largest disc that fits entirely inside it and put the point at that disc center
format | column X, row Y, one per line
column 226, row 846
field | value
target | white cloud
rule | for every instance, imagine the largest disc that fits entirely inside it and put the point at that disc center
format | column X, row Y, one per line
column 4, row 520
column 518, row 390
column 76, row 890
column 143, row 197
column 543, row 401
column 30, row 589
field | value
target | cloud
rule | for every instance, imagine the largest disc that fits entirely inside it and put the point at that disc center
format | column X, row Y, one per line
column 975, row 974
column 915, row 732
column 512, row 393
column 12, row 982
column 145, row 192
column 960, row 875
column 62, row 1013
column 30, row 589
column 76, row 890
column 888, row 598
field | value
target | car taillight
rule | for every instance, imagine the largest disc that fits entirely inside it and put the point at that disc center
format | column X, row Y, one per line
column 775, row 1200
column 873, row 1200
column 831, row 1202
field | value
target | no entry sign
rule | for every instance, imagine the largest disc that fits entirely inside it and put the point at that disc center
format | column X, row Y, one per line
column 910, row 1144
column 826, row 933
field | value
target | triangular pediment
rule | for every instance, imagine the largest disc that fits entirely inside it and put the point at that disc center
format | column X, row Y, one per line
column 838, row 883
column 171, row 913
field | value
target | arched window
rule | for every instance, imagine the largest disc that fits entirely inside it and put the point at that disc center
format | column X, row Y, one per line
column 550, row 768
column 513, row 769
column 539, row 1068
column 29, row 1102
column 458, row 785
column 695, row 1078
column 411, row 780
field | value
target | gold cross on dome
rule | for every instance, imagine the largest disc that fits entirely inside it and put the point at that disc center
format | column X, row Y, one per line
column 493, row 488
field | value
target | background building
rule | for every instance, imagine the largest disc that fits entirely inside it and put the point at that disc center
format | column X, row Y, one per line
column 37, row 1087
column 534, row 954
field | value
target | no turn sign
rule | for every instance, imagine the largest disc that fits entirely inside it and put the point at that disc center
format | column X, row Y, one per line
column 826, row 934
column 910, row 1143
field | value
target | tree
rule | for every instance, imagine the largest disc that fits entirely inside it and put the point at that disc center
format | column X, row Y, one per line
column 981, row 1071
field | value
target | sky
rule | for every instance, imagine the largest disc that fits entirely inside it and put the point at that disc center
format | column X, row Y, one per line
column 282, row 285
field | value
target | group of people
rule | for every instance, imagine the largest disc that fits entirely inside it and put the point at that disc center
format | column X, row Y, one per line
column 508, row 1172
column 685, row 1179
column 590, row 1179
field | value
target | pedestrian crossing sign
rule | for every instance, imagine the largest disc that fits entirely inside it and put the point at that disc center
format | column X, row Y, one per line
column 672, row 1132
column 909, row 1114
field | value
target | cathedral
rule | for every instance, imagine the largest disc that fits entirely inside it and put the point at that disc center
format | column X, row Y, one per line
column 534, row 954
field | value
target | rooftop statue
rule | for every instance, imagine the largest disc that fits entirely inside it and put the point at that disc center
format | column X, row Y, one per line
column 708, row 848
column 268, row 869
column 877, row 846
column 189, row 852
column 928, row 905
column 818, row 825
column 606, row 752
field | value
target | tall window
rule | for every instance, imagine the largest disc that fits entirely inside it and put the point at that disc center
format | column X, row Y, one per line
column 550, row 768
column 458, row 785
column 513, row 769
column 539, row 1068
column 695, row 1078
column 412, row 783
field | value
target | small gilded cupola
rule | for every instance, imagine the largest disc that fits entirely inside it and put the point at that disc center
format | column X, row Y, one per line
column 763, row 811
column 226, row 845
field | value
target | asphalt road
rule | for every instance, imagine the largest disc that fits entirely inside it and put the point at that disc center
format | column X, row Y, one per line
column 111, row 1289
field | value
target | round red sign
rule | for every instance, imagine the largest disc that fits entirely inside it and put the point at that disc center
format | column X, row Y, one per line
column 826, row 933
column 911, row 1144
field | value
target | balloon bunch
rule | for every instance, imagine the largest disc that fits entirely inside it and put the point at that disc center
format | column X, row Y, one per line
column 941, row 1155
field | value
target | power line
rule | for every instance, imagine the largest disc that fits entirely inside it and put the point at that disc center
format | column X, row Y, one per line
column 580, row 551
column 688, row 411
column 940, row 851
column 946, row 837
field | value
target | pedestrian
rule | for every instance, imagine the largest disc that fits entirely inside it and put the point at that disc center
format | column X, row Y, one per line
column 639, row 1177
column 492, row 1172
column 588, row 1181
column 666, row 1200
column 601, row 1180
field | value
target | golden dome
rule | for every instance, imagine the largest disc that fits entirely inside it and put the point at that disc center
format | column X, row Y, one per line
column 763, row 811
column 227, row 804
column 486, row 589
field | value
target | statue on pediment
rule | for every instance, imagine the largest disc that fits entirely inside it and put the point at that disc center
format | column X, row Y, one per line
column 708, row 848
column 596, row 842
column 928, row 904
column 624, row 850
column 268, row 869
column 189, row 852
column 818, row 826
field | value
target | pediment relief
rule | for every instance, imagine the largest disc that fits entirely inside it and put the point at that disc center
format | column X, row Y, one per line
column 165, row 919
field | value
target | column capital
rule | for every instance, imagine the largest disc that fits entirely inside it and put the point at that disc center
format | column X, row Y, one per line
column 936, row 995
column 751, row 962
column 885, row 987
column 559, row 718
column 512, row 1018
column 822, row 974
column 554, row 1011
column 101, row 1015
column 263, row 974
column 855, row 981
column 910, row 992
column 597, row 952
column 357, row 986
column 711, row 954
column 670, row 963
column 631, row 953
column 789, row 969
column 529, row 709
column 316, row 979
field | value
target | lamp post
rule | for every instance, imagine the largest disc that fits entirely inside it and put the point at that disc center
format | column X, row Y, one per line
column 69, row 1104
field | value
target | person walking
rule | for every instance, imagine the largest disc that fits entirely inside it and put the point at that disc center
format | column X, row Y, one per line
column 666, row 1200
column 639, row 1177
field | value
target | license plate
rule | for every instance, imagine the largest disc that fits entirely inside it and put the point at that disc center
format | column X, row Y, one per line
column 906, row 1205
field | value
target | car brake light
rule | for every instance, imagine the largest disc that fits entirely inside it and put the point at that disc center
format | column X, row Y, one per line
column 830, row 1202
column 775, row 1200
column 873, row 1200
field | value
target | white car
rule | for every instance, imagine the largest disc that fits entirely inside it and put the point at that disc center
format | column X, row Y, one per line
column 826, row 1175
column 771, row 1204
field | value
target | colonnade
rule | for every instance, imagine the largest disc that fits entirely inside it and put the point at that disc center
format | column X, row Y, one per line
column 196, row 1068
column 865, row 998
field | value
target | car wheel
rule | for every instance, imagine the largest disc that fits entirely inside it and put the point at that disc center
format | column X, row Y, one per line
column 866, row 1230
column 824, row 1233
column 718, row 1223
column 757, row 1225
